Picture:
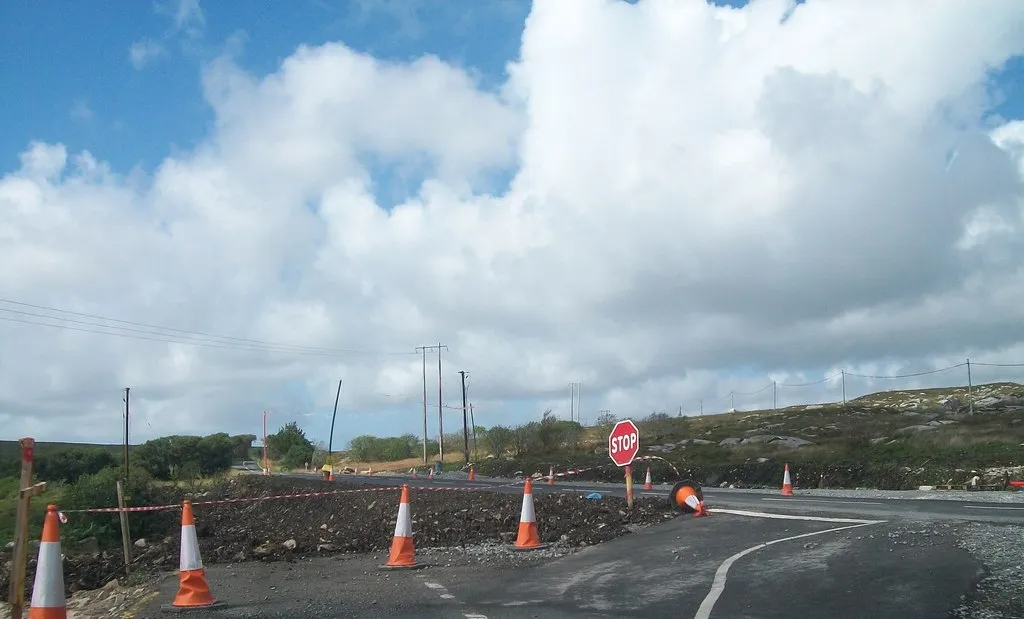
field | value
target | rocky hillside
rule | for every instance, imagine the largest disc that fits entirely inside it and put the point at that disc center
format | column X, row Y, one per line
column 887, row 440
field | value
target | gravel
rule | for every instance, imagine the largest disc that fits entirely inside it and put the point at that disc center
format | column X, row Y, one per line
column 1000, row 548
column 360, row 522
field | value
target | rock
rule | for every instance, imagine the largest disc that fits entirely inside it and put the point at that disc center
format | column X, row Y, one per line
column 140, row 543
column 952, row 404
column 726, row 442
column 700, row 441
column 814, row 407
column 878, row 440
column 789, row 442
column 915, row 429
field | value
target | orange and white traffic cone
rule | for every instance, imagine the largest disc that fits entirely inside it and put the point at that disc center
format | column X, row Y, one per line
column 403, row 552
column 193, row 590
column 687, row 496
column 430, row 475
column 472, row 472
column 528, row 537
column 551, row 476
column 415, row 473
column 648, row 484
column 787, row 484
column 48, row 589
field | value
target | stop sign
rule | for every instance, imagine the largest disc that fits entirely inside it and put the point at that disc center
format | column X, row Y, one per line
column 624, row 442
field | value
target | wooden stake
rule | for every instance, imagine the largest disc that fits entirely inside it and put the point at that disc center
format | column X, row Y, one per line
column 629, row 486
column 126, row 540
column 25, row 493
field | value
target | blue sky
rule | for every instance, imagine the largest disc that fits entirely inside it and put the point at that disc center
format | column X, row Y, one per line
column 67, row 75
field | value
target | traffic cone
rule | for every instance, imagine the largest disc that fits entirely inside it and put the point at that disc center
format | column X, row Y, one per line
column 193, row 590
column 430, row 475
column 551, row 476
column 528, row 537
column 686, row 495
column 402, row 549
column 48, row 589
column 787, row 485
column 472, row 472
column 648, row 484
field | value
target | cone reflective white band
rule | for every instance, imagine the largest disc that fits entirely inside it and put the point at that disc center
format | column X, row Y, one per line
column 403, row 528
column 785, row 478
column 48, row 588
column 528, row 514
column 693, row 502
column 190, row 559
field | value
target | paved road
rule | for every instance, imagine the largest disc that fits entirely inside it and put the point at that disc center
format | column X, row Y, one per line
column 792, row 568
column 716, row 497
column 759, row 555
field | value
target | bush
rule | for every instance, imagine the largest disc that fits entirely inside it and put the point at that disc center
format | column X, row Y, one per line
column 100, row 490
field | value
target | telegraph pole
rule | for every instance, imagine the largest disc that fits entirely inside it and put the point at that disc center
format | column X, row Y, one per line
column 127, row 392
column 423, row 349
column 440, row 398
column 465, row 417
column 330, row 439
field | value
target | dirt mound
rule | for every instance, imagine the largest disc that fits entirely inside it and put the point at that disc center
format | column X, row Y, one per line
column 356, row 522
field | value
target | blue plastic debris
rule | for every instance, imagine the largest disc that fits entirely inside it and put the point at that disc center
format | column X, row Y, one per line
column 594, row 495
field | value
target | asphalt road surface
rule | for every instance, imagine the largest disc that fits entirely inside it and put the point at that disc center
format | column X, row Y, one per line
column 925, row 509
column 759, row 555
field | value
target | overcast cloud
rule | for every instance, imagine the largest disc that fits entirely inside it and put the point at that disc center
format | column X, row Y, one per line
column 702, row 200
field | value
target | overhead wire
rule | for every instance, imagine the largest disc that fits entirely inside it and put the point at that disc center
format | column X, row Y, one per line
column 157, row 333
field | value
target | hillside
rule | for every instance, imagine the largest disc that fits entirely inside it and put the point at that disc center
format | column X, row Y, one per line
column 892, row 439
column 10, row 449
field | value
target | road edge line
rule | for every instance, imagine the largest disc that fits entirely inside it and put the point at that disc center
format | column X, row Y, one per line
column 741, row 512
column 721, row 574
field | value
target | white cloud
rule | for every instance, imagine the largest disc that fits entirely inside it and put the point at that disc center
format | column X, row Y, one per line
column 695, row 191
column 142, row 52
column 81, row 111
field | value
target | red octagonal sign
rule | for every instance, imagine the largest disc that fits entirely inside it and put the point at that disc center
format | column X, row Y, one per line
column 624, row 442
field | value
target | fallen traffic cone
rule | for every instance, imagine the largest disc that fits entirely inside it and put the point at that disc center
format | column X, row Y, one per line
column 551, row 476
column 402, row 549
column 193, row 590
column 472, row 472
column 48, row 589
column 687, row 496
column 787, row 485
column 528, row 537
column 648, row 484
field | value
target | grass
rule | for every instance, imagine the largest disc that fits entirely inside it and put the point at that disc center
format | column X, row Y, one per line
column 37, row 510
column 11, row 449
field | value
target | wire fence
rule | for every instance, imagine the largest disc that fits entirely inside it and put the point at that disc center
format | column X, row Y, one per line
column 844, row 385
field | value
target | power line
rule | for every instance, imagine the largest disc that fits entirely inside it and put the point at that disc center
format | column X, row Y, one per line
column 952, row 367
column 173, row 335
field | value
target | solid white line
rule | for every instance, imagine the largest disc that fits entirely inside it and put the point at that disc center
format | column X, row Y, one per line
column 718, row 585
column 989, row 507
column 475, row 616
column 822, row 501
column 739, row 512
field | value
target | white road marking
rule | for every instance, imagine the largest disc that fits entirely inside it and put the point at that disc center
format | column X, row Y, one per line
column 822, row 501
column 447, row 596
column 718, row 585
column 475, row 616
column 434, row 585
column 739, row 512
column 990, row 507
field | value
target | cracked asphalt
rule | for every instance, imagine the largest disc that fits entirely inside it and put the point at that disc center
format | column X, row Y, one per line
column 889, row 570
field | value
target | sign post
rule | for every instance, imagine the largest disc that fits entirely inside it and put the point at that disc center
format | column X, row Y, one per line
column 623, row 446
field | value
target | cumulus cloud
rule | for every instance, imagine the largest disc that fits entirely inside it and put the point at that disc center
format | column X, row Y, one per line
column 702, row 199
column 141, row 52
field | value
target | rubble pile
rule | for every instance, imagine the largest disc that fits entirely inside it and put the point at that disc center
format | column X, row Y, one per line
column 358, row 522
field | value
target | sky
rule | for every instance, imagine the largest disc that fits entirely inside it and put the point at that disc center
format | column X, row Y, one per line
column 680, row 205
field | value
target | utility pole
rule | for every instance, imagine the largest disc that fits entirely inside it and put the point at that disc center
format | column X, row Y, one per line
column 127, row 392
column 330, row 439
column 440, row 397
column 574, row 401
column 423, row 349
column 472, row 422
column 970, row 389
column 775, row 398
column 844, row 387
column 465, row 417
